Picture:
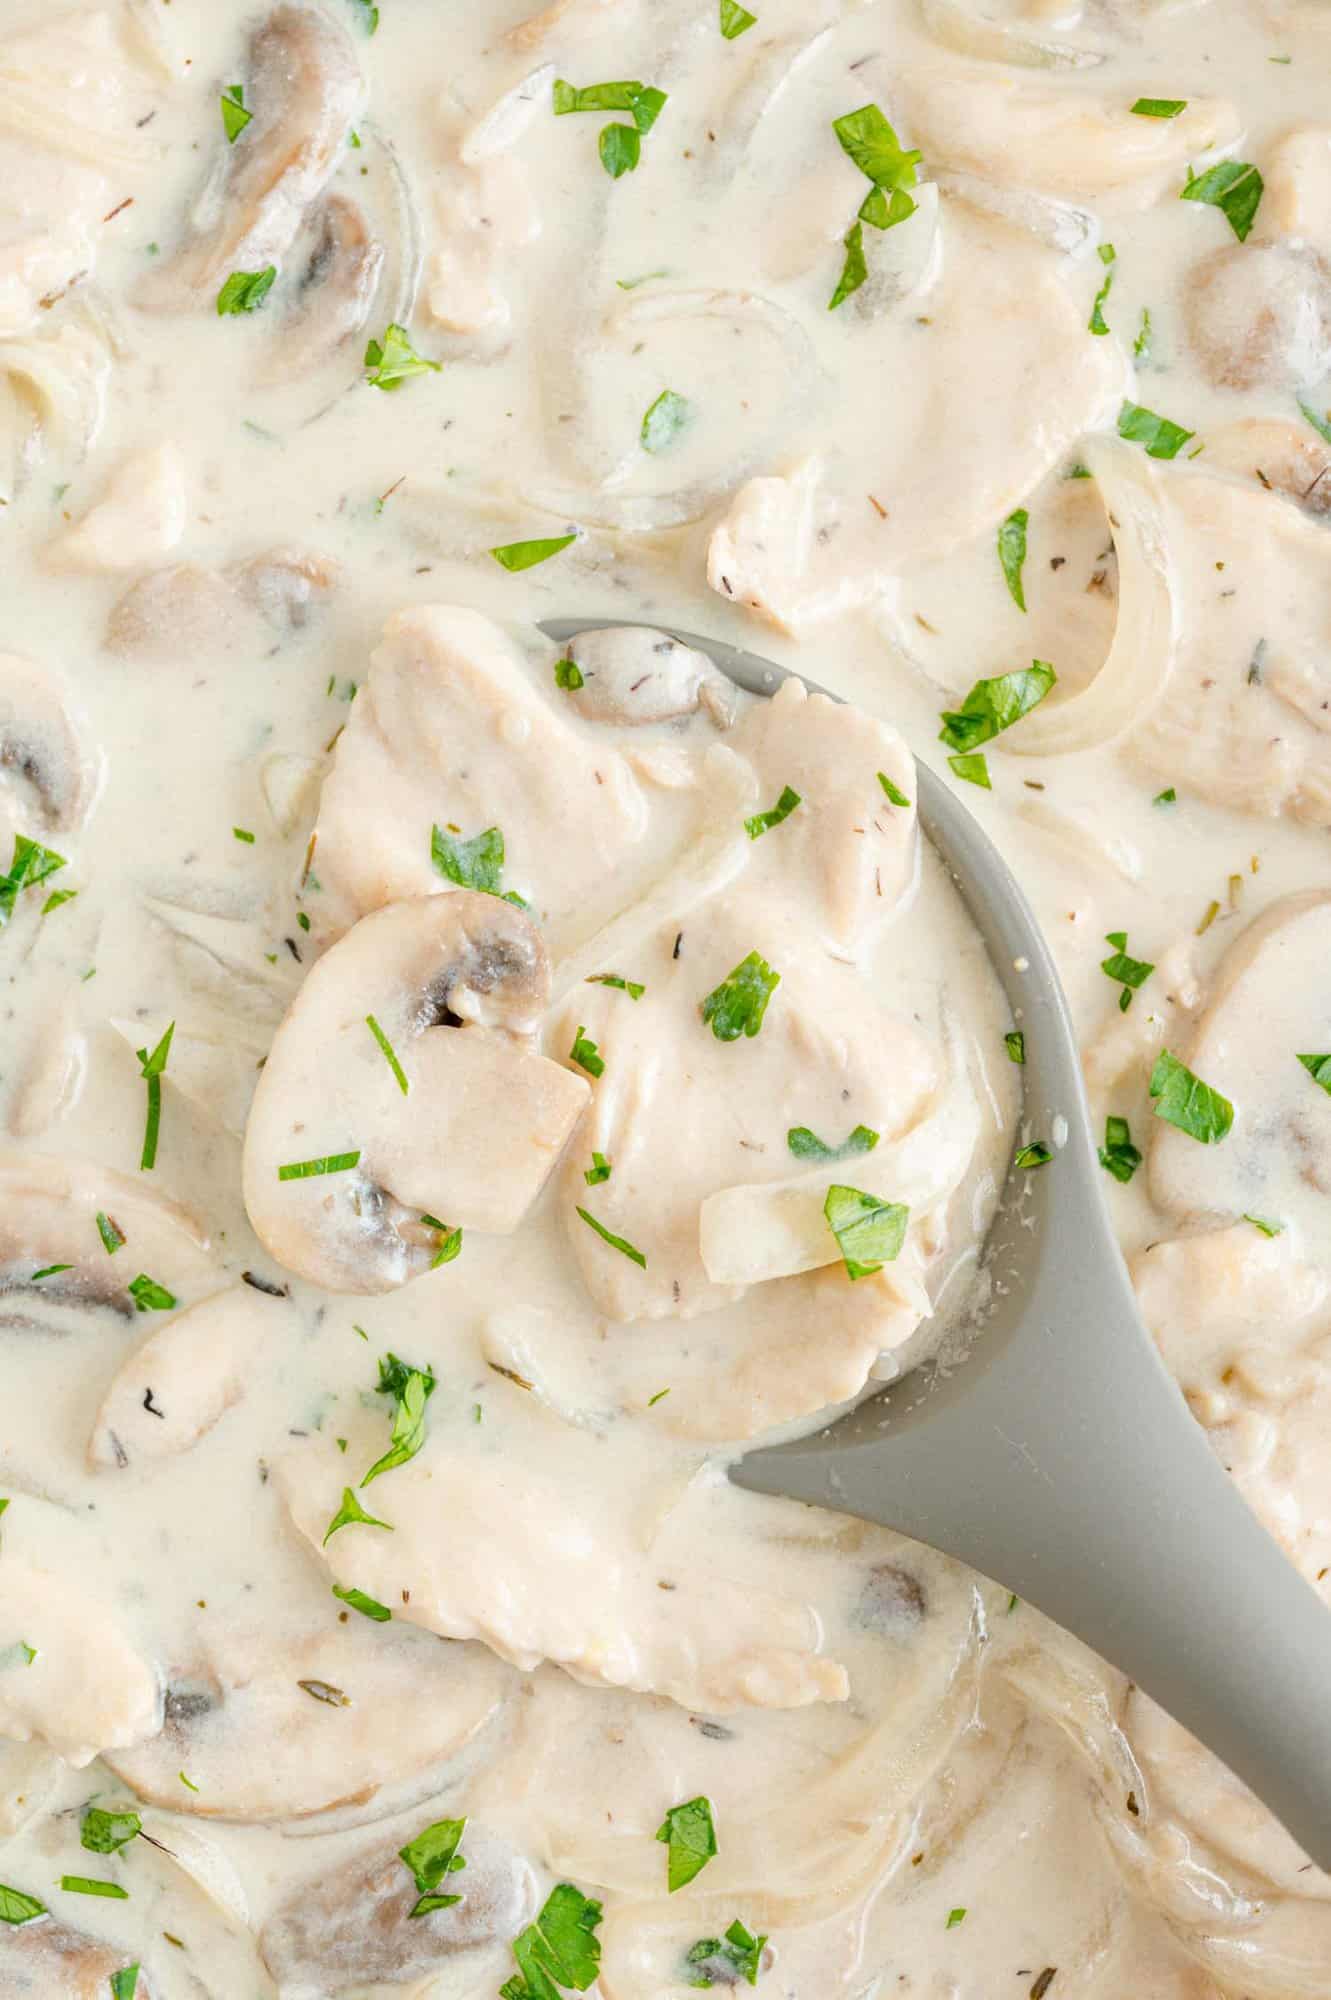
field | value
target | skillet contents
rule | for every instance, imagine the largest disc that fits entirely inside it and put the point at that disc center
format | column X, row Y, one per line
column 461, row 1089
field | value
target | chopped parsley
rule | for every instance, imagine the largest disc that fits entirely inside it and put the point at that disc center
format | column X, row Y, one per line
column 32, row 863
column 234, row 115
column 149, row 1296
column 1159, row 107
column 473, row 864
column 1141, row 346
column 954, row 1918
column 48, row 1271
column 56, row 898
column 347, row 1514
column 664, row 420
column 1129, row 972
column 1319, row 1069
column 1161, row 438
column 1232, row 186
column 327, row 1163
column 1322, row 424
column 1037, row 1154
column 690, row 1834
column 18, row 1908
column 1265, row 1225
column 854, row 270
column 716, row 1959
column 1184, row 1101
column 89, row 1885
column 1168, row 797
column 806, row 1145
column 973, row 767
column 411, row 1389
column 112, row 1235
column 245, row 291
column 619, row 1243
column 369, row 14
column 525, row 555
column 736, row 1007
column 1118, row 1155
column 568, row 675
column 735, row 19
column 632, row 987
column 994, row 705
column 1097, row 322
column 450, row 1245
column 393, row 360
column 106, row 1832
column 620, row 148
column 125, row 1983
column 1012, row 553
column 892, row 793
column 429, row 1857
column 868, row 139
column 599, row 1170
column 1015, row 1044
column 369, row 1607
column 151, row 1068
column 586, row 1054
column 763, row 822
column 869, row 1232
column 389, row 1055
column 560, row 1949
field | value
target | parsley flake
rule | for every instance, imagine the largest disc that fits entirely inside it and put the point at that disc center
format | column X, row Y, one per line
column 586, row 1054
column 393, row 360
column 736, row 1007
column 718, row 1959
column 32, row 863
column 1159, row 107
column 106, row 1832
column 369, row 1607
column 560, row 1949
column 473, row 864
column 598, row 1172
column 1012, row 553
column 234, row 115
column 632, row 987
column 245, row 291
column 619, row 1243
column 1097, row 322
column 1129, row 972
column 149, row 1296
column 568, row 675
column 89, row 1885
column 1184, row 1101
column 1319, row 1069
column 112, row 1235
column 431, row 1856
column 690, row 1834
column 869, row 1232
column 1265, row 1225
column 892, row 793
column 411, row 1389
column 1161, row 438
column 151, row 1068
column 994, row 705
column 125, row 1983
column 515, row 556
column 346, row 1516
column 388, row 1052
column 806, row 1145
column 1015, row 1044
column 1118, row 1155
column 327, row 1163
column 1232, row 186
column 973, row 768
column 18, row 1908
column 1036, row 1154
column 735, row 19
column 664, row 420
column 763, row 822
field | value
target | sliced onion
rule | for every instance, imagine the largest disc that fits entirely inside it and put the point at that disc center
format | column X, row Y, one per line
column 1141, row 657
column 771, row 66
column 902, row 260
column 776, row 1229
column 58, row 385
column 975, row 34
column 1074, row 231
column 507, row 119
column 207, row 1866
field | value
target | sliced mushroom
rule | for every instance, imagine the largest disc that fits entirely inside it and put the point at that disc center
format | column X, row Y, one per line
column 457, row 986
column 538, row 1563
column 827, row 1058
column 53, row 1961
column 48, row 1215
column 139, row 519
column 1296, row 190
column 1244, row 718
column 1269, row 1002
column 448, row 730
column 303, row 87
column 172, row 614
column 245, row 1730
column 42, row 744
column 354, row 1923
column 632, row 675
column 337, row 290
column 1280, row 456
column 184, row 1378
column 1259, row 314
column 1053, row 138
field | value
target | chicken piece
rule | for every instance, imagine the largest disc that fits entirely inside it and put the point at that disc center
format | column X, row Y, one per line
column 242, row 1723
column 140, row 518
column 462, row 1122
column 304, row 89
column 1057, row 140
column 184, row 1378
column 1269, row 1004
column 1277, row 456
column 1259, row 315
column 485, row 214
column 795, row 553
column 1296, row 190
column 1244, row 718
column 531, row 1556
column 74, row 1677
column 43, row 744
column 1131, row 1040
column 718, row 1111
column 52, row 1961
column 449, row 731
column 632, row 676
column 73, row 92
column 354, row 1923
column 173, row 614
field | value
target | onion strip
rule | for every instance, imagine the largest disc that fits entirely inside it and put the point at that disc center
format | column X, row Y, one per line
column 973, row 34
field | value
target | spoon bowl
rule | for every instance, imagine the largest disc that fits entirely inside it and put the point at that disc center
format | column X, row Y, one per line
column 1059, row 1457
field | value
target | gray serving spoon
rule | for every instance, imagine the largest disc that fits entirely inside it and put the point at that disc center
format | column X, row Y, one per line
column 1060, row 1458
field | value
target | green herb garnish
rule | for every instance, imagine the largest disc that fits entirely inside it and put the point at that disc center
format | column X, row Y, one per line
column 739, row 1951
column 1232, row 186
column 112, row 1235
column 1184, row 1101
column 1319, row 1069
column 1141, row 346
column 1322, row 425
column 125, row 1984
column 763, row 822
column 473, row 864
column 806, row 1145
column 1012, row 553
column 149, row 1296
column 735, row 19
column 1097, row 322
column 88, row 1885
column 892, row 793
column 1265, row 1225
column 1129, row 972
column 1118, row 1155
column 369, row 1607
column 869, row 1232
column 994, row 705
column 664, row 420
column 234, row 115
column 429, row 1857
column 736, row 1007
column 632, row 987
column 347, row 1514
column 18, row 1908
column 955, row 1917
column 389, row 1055
column 411, row 1389
column 619, row 1243
column 393, row 360
column 1037, row 1154
column 327, row 1163
column 245, row 291
column 586, row 1054
column 151, row 1068
column 690, row 1834
column 568, row 675
column 560, row 1949
column 525, row 555
column 972, row 767
column 1159, row 107
column 1168, row 797
column 1161, row 438
column 32, row 863
column 598, row 1171
column 1015, row 1044
column 106, row 1832
column 48, row 1271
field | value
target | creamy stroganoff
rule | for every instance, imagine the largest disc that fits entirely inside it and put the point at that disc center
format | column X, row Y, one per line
column 460, row 1090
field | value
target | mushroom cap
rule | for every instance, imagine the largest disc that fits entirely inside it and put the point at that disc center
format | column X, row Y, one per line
column 47, row 1957
column 456, row 985
column 41, row 744
column 1259, row 315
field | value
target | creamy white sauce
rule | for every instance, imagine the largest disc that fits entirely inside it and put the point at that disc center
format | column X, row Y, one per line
column 215, row 530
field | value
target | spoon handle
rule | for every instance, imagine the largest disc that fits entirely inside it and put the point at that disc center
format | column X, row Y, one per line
column 1063, row 1462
